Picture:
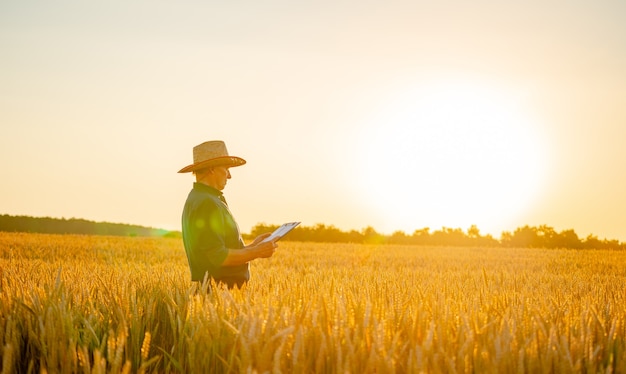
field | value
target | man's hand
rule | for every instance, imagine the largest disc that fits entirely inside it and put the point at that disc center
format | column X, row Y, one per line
column 260, row 238
column 265, row 250
column 250, row 252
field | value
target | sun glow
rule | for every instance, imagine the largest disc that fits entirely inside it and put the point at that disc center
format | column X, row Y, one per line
column 453, row 154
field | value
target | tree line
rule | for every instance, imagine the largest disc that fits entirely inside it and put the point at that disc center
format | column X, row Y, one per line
column 48, row 225
column 542, row 236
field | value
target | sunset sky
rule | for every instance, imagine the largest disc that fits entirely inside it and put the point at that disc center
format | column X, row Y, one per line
column 397, row 115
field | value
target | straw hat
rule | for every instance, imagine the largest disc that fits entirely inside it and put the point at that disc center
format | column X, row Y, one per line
column 209, row 154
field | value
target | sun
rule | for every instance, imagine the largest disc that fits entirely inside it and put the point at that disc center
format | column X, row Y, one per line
column 450, row 153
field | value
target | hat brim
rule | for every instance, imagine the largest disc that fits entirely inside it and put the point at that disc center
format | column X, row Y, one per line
column 228, row 161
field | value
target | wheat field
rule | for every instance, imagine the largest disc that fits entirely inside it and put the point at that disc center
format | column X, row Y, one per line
column 89, row 304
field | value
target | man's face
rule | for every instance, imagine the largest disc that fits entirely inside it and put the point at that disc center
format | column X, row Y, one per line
column 220, row 176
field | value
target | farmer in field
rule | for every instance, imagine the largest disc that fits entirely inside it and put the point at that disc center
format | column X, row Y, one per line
column 211, row 236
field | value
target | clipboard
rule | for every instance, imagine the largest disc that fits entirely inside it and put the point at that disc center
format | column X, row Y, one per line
column 281, row 231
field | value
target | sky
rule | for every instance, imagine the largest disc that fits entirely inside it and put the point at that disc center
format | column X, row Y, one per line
column 397, row 115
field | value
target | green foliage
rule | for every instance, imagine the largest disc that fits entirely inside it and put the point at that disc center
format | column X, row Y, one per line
column 524, row 237
column 48, row 225
column 542, row 236
column 546, row 237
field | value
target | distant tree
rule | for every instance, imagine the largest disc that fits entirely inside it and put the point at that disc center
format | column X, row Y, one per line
column 592, row 242
column 542, row 236
column 370, row 236
column 488, row 241
column 399, row 237
column 48, row 225
column 567, row 239
column 545, row 236
column 449, row 236
column 421, row 236
column 522, row 237
column 473, row 232
column 260, row 228
column 328, row 234
column 474, row 238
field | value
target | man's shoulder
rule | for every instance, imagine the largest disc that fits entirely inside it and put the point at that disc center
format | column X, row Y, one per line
column 198, row 194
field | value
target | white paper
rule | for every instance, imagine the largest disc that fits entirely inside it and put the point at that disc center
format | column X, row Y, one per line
column 281, row 231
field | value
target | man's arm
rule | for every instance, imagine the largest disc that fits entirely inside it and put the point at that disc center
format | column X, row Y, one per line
column 246, row 254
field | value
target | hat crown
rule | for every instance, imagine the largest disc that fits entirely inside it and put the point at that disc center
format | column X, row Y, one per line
column 209, row 150
column 211, row 154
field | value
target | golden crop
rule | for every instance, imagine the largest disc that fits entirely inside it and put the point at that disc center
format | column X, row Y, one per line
column 89, row 304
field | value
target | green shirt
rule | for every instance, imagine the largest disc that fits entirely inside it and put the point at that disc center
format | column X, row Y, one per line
column 209, row 230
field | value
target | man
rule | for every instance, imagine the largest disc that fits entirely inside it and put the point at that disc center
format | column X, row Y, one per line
column 211, row 236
